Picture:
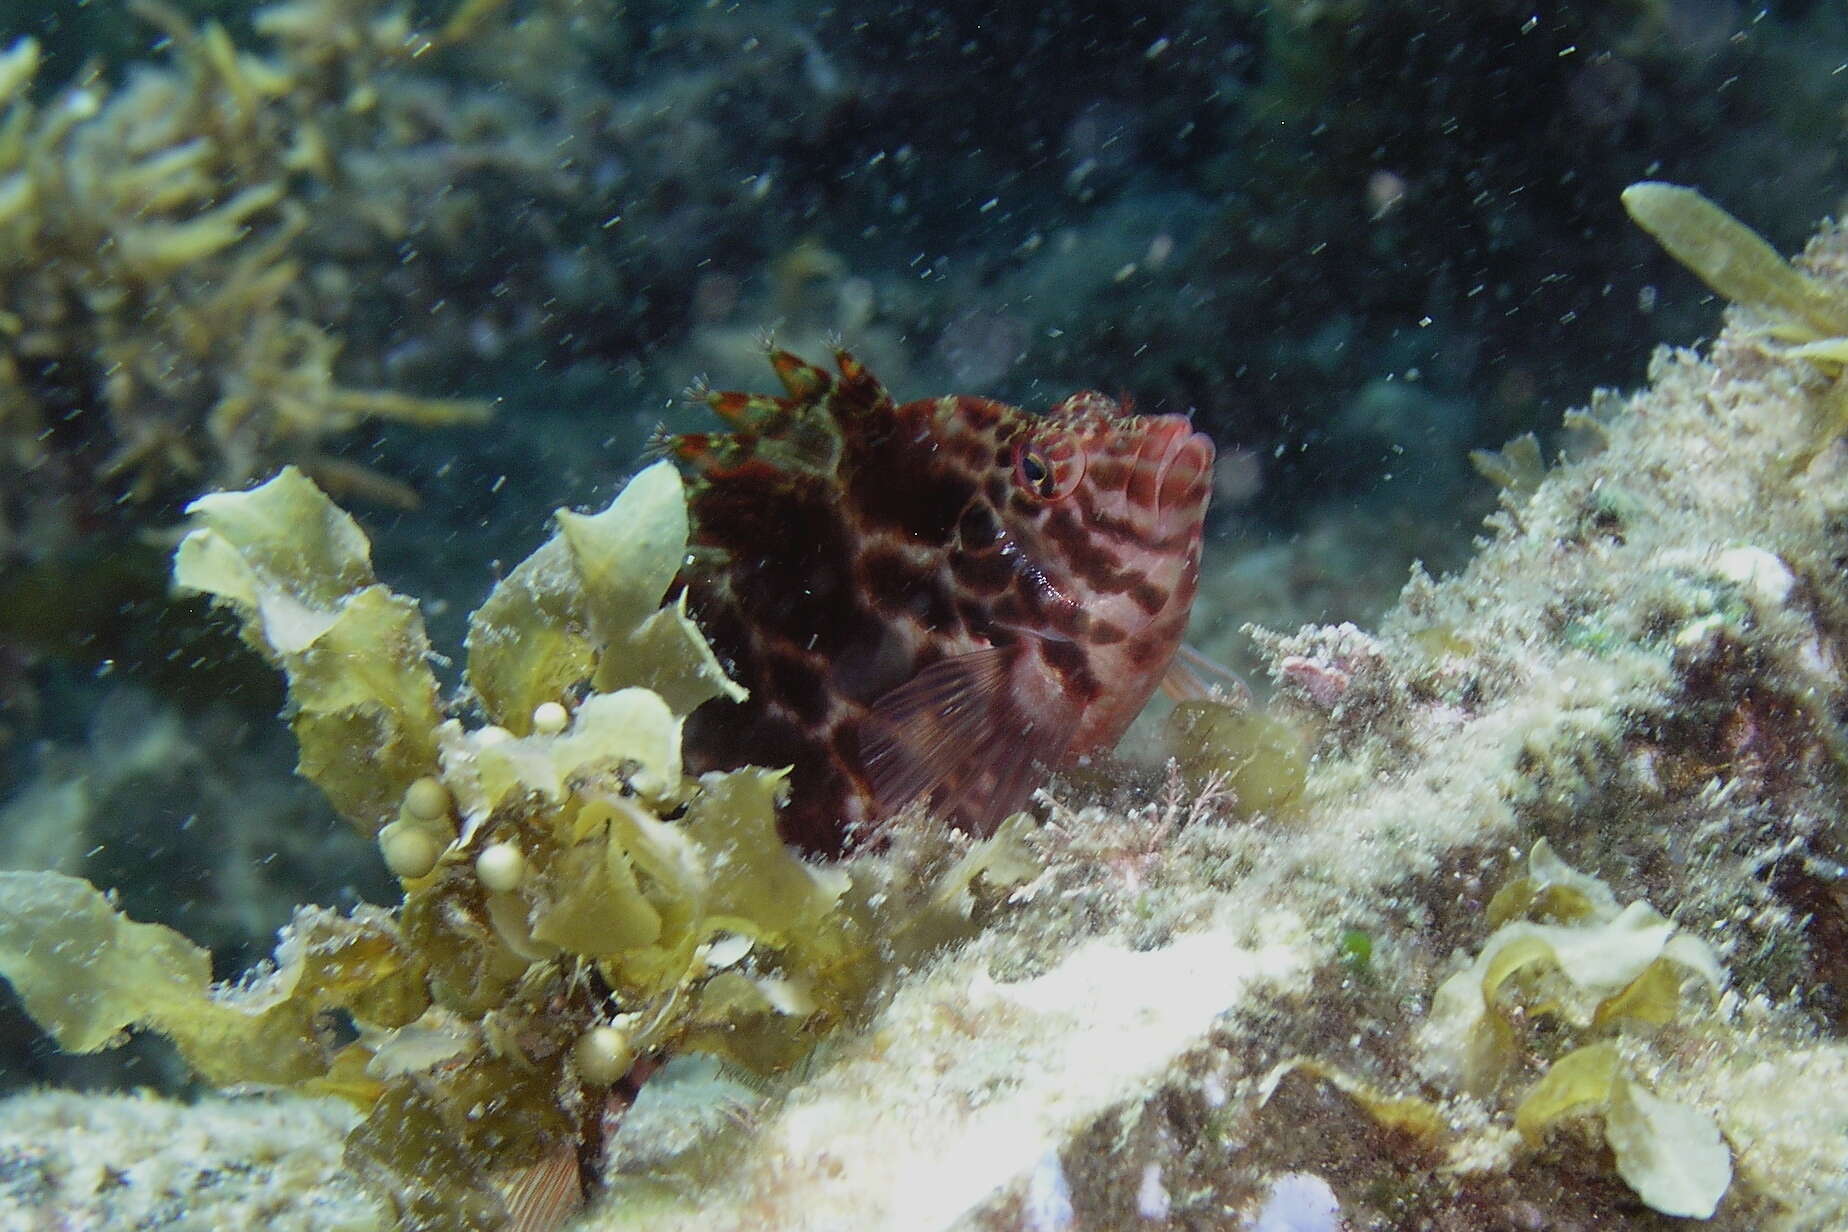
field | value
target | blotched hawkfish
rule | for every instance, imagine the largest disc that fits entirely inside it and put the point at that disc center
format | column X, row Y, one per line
column 939, row 601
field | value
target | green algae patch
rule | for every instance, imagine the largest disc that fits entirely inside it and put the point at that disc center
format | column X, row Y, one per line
column 87, row 973
column 1565, row 948
column 1517, row 468
column 1609, row 962
column 151, row 250
column 1581, row 1079
column 577, row 908
column 1733, row 259
column 1354, row 950
column 1408, row 1114
column 586, row 607
column 1736, row 262
column 298, row 573
column 1671, row 1155
column 1260, row 759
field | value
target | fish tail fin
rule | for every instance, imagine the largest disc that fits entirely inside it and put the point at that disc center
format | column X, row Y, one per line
column 542, row 1196
column 1193, row 676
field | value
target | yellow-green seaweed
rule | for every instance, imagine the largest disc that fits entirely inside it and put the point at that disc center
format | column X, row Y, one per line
column 1735, row 261
column 1259, row 759
column 1606, row 961
column 87, row 973
column 150, row 271
column 620, row 900
column 298, row 571
column 1564, row 946
column 1671, row 1155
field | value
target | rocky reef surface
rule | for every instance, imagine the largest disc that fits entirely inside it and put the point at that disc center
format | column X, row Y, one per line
column 1354, row 239
column 1553, row 935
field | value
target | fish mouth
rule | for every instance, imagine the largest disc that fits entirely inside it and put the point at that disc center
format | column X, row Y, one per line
column 1183, row 471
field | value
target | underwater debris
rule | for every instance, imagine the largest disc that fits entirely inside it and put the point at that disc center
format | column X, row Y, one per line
column 577, row 908
column 1298, row 1202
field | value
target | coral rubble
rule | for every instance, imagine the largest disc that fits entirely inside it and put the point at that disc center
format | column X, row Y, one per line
column 126, row 1161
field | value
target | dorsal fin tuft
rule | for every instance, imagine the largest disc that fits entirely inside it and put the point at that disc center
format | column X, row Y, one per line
column 804, row 381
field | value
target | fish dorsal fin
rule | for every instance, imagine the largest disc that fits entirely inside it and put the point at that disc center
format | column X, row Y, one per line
column 953, row 734
column 804, row 432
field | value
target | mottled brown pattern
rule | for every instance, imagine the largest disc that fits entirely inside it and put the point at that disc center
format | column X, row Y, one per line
column 932, row 601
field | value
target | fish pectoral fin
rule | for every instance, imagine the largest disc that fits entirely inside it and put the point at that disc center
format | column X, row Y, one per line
column 953, row 733
column 917, row 735
column 1193, row 676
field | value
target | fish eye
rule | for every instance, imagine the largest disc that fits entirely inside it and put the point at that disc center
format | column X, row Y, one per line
column 1033, row 468
column 1048, row 466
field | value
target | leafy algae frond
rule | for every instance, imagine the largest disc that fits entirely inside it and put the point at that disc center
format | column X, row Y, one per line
column 1736, row 262
column 1566, row 952
column 299, row 573
column 577, row 909
column 1566, row 948
column 158, row 305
